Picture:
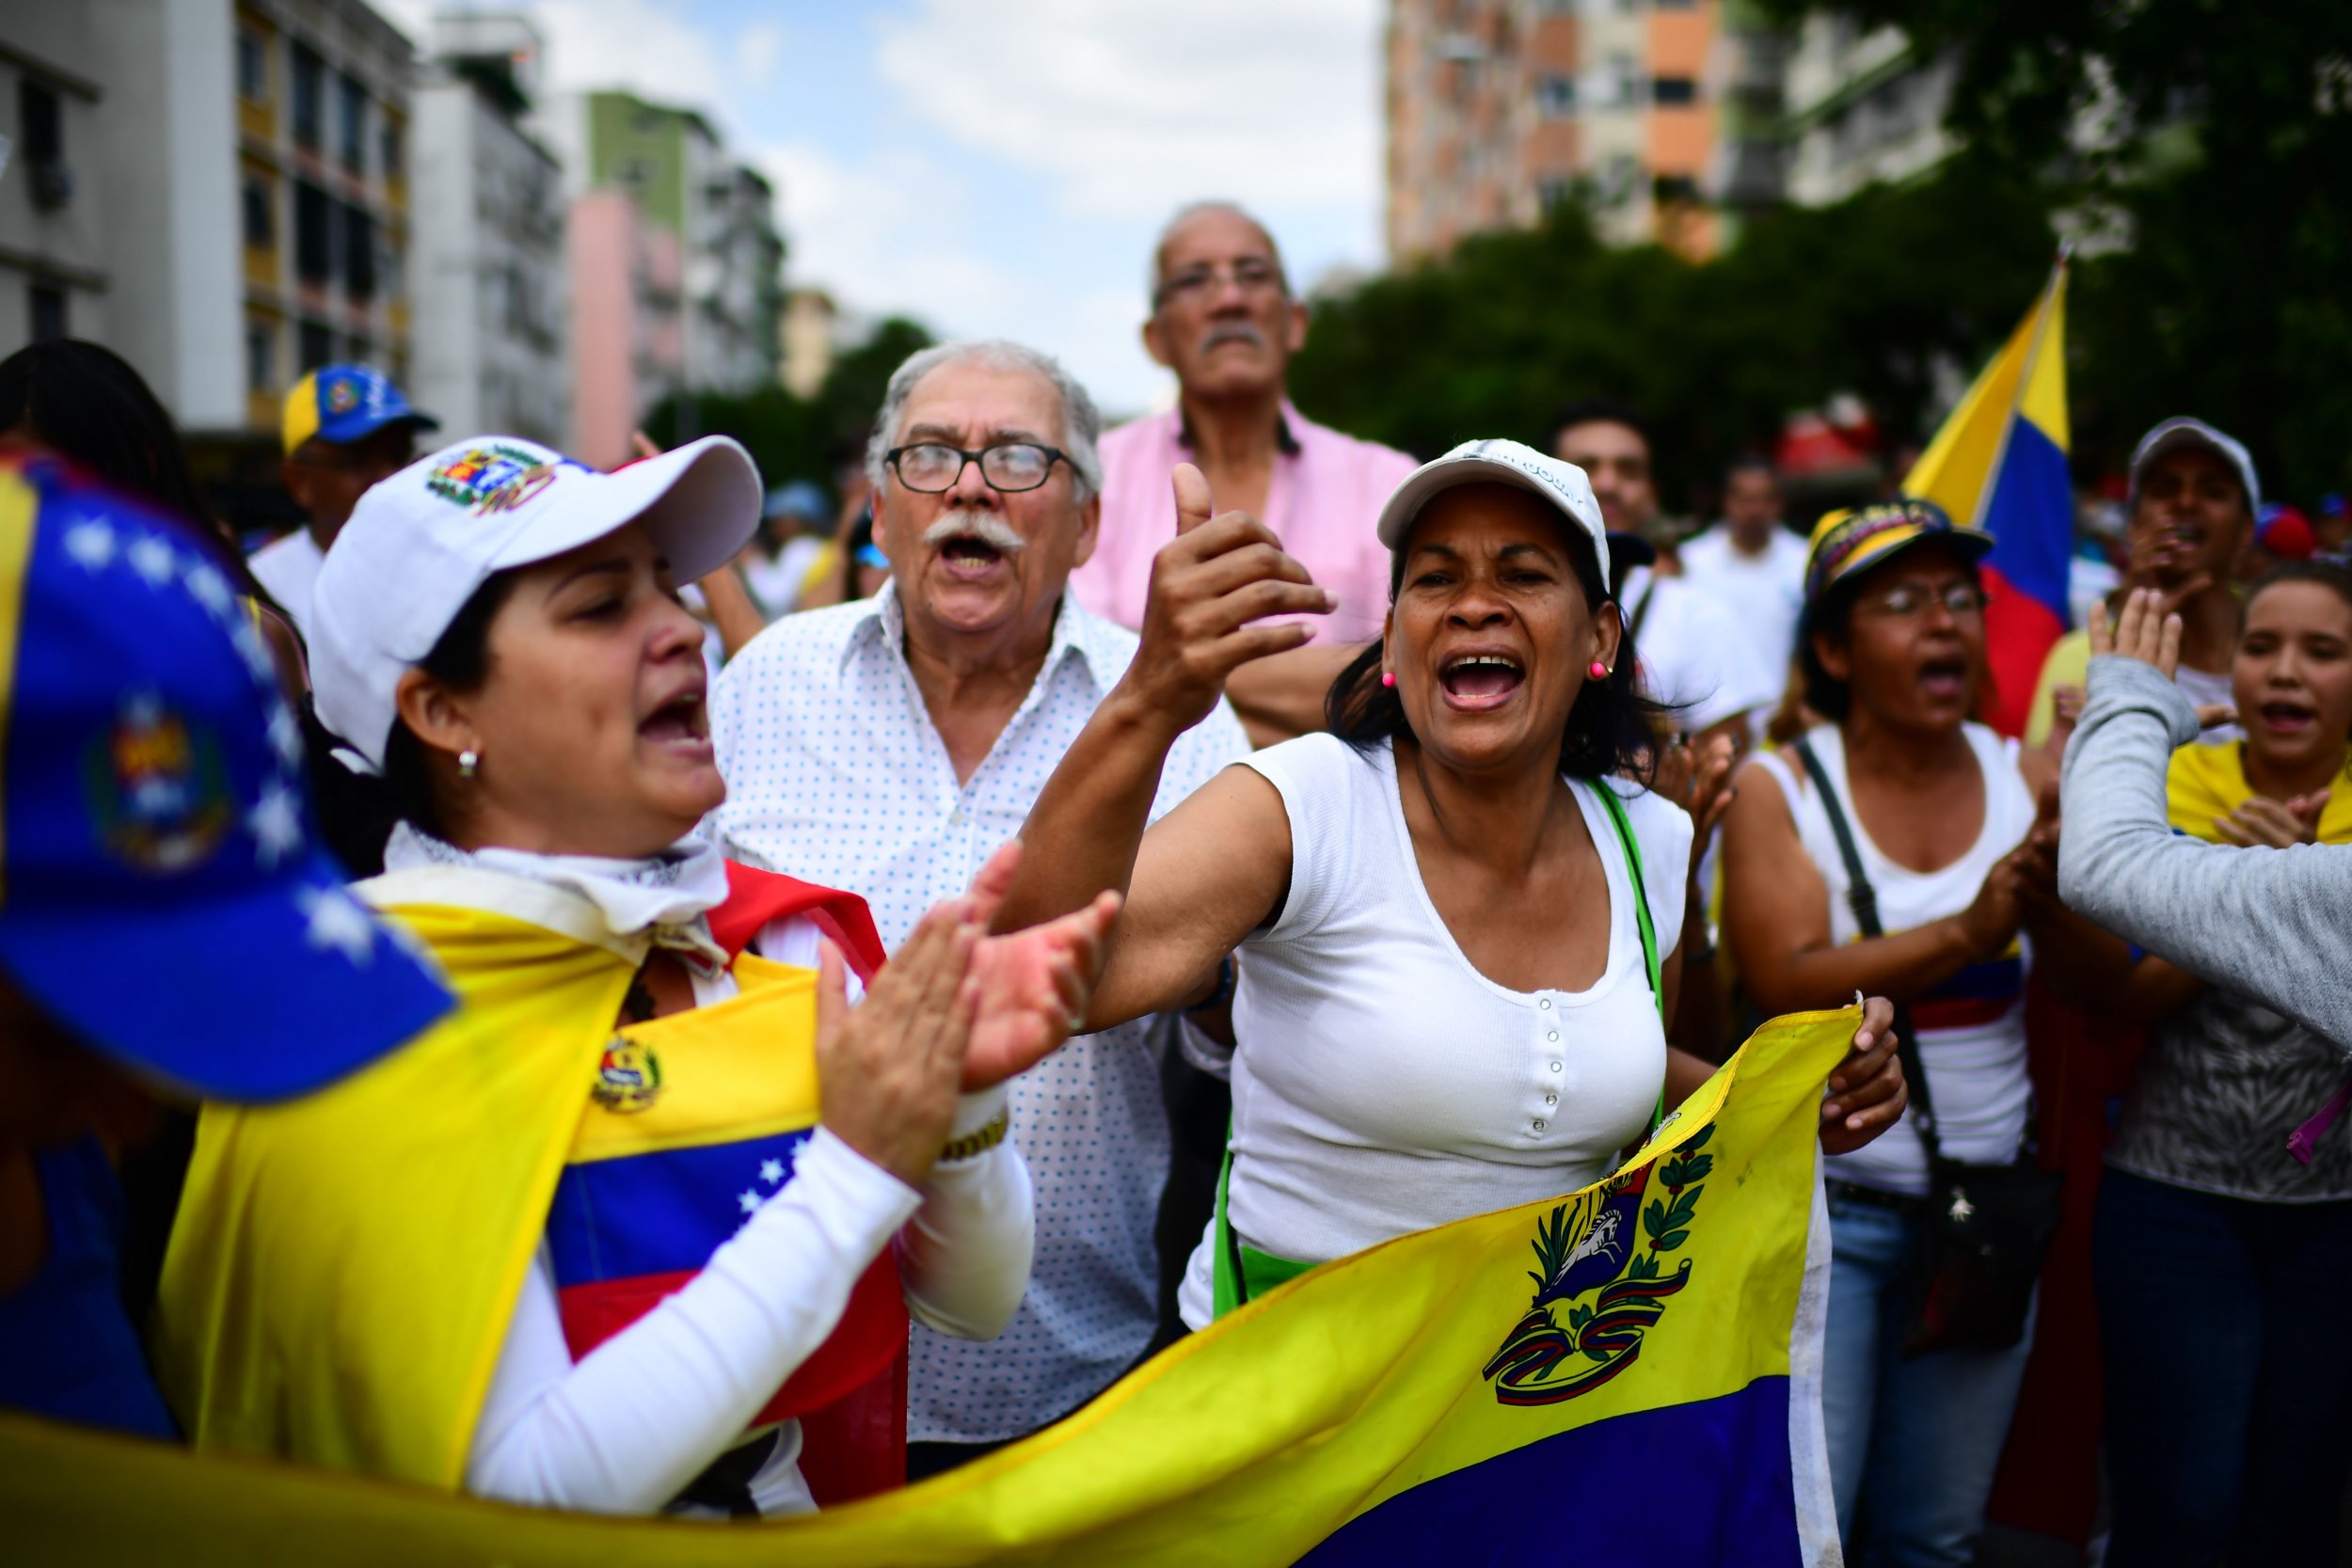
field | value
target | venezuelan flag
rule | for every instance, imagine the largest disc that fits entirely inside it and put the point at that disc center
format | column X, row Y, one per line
column 1625, row 1374
column 2000, row 462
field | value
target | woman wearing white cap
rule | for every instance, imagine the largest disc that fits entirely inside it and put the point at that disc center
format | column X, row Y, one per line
column 594, row 1243
column 1460, row 920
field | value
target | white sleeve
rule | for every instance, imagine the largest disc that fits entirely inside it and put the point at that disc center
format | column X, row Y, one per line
column 1313, row 778
column 964, row 1259
column 624, row 1430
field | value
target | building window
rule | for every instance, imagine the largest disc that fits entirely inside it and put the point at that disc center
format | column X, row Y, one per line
column 1617, row 178
column 1619, row 85
column 318, row 347
column 260, row 356
column 387, row 147
column 44, row 311
column 359, row 255
column 315, row 235
column 252, row 66
column 1669, row 92
column 351, row 124
column 261, row 221
column 1554, row 191
column 40, row 132
column 1556, row 95
column 310, row 87
column 1675, row 190
column 1675, row 5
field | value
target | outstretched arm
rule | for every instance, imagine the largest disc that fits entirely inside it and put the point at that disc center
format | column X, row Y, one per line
column 1212, row 586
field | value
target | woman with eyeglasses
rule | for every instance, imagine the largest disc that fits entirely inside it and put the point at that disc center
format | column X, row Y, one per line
column 1956, row 875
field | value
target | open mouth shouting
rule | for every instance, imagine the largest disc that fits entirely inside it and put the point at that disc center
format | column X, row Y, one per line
column 1945, row 680
column 2285, row 715
column 974, row 546
column 1479, row 680
column 680, row 726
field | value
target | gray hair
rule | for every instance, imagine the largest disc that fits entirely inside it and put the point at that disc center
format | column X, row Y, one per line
column 1080, row 421
column 1189, row 210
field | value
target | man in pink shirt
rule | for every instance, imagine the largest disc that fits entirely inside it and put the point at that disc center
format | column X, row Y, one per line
column 1224, row 319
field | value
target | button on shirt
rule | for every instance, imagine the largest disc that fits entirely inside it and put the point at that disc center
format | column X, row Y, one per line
column 1323, row 501
column 835, row 773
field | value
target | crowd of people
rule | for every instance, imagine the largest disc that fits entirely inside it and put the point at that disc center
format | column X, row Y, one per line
column 703, row 1103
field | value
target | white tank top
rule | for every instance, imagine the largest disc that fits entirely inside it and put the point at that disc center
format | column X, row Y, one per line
column 1972, row 1028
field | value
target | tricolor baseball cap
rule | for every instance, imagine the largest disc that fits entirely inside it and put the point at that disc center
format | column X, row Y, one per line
column 342, row 403
column 1854, row 539
column 1498, row 462
column 2173, row 434
column 164, row 892
column 419, row 543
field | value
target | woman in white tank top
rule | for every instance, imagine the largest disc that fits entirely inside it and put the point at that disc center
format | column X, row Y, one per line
column 1942, row 814
column 1445, row 1005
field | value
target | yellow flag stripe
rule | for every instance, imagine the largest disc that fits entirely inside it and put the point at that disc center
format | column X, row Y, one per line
column 19, row 502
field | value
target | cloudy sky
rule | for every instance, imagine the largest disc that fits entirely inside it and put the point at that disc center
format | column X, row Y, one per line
column 1001, row 168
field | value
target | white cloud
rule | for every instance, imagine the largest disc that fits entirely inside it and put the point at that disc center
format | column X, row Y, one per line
column 1140, row 108
column 758, row 50
column 648, row 47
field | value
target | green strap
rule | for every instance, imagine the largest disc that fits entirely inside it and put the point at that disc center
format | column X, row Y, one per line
column 1241, row 1272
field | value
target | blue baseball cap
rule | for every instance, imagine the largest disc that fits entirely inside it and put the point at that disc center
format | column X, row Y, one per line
column 343, row 403
column 164, row 892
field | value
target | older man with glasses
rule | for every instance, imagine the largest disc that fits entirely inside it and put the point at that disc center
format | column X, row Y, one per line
column 1224, row 319
column 888, row 746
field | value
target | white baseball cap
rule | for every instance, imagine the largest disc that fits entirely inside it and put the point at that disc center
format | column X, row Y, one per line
column 1491, row 462
column 2172, row 435
column 419, row 543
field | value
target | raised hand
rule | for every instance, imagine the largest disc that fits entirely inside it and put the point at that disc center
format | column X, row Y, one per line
column 1698, row 780
column 1213, row 586
column 1866, row 1092
column 889, row 1068
column 1034, row 984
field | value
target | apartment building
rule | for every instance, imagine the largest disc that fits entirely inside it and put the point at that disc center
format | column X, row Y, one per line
column 216, row 189
column 488, row 267
column 675, row 264
column 1861, row 105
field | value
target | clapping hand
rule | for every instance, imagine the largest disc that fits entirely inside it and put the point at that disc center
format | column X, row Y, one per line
column 2265, row 823
column 1866, row 1092
column 1034, row 984
column 2149, row 630
column 1698, row 779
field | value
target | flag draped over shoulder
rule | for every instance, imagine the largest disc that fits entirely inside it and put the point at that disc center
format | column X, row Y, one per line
column 1626, row 1374
column 2000, row 462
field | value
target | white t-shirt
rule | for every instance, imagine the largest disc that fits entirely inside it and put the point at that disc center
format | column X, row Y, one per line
column 1693, row 656
column 1971, row 1028
column 289, row 568
column 1381, row 1084
column 1764, row 592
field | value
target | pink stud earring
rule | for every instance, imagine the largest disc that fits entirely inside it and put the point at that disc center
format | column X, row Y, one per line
column 1388, row 678
column 1599, row 671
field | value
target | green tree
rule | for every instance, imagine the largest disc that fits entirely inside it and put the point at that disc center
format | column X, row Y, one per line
column 791, row 437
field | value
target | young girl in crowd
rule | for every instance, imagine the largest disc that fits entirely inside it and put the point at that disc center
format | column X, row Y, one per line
column 2223, row 1256
column 594, row 1242
column 1941, row 816
column 1457, row 920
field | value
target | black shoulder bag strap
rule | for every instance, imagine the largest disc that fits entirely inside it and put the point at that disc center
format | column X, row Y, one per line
column 1863, row 899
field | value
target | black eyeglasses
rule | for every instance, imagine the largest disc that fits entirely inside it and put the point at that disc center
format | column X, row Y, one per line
column 1011, row 467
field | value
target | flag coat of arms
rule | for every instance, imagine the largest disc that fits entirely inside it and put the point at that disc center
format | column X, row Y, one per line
column 1999, row 462
column 1625, row 1374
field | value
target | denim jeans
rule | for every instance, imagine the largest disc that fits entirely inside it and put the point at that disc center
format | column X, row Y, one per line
column 2229, row 1373
column 1912, row 1443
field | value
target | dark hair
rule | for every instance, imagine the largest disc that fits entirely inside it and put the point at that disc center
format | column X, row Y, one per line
column 1612, row 729
column 360, row 811
column 860, row 535
column 1750, row 462
column 2331, row 574
column 1602, row 411
column 87, row 404
column 1831, row 614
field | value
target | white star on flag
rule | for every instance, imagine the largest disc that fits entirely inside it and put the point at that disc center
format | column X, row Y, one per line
column 151, row 558
column 285, row 735
column 275, row 824
column 255, row 653
column 91, row 543
column 749, row 1199
column 207, row 588
column 771, row 1171
column 336, row 922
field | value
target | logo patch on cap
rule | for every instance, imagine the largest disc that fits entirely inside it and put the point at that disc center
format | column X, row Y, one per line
column 519, row 490
column 158, row 792
column 476, row 474
column 343, row 396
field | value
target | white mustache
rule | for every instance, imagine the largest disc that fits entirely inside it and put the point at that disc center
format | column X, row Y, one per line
column 970, row 522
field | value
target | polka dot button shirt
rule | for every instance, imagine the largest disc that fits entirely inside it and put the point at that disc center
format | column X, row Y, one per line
column 835, row 774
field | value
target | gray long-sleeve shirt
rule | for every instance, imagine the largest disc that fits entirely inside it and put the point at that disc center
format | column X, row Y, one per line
column 2272, row 925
